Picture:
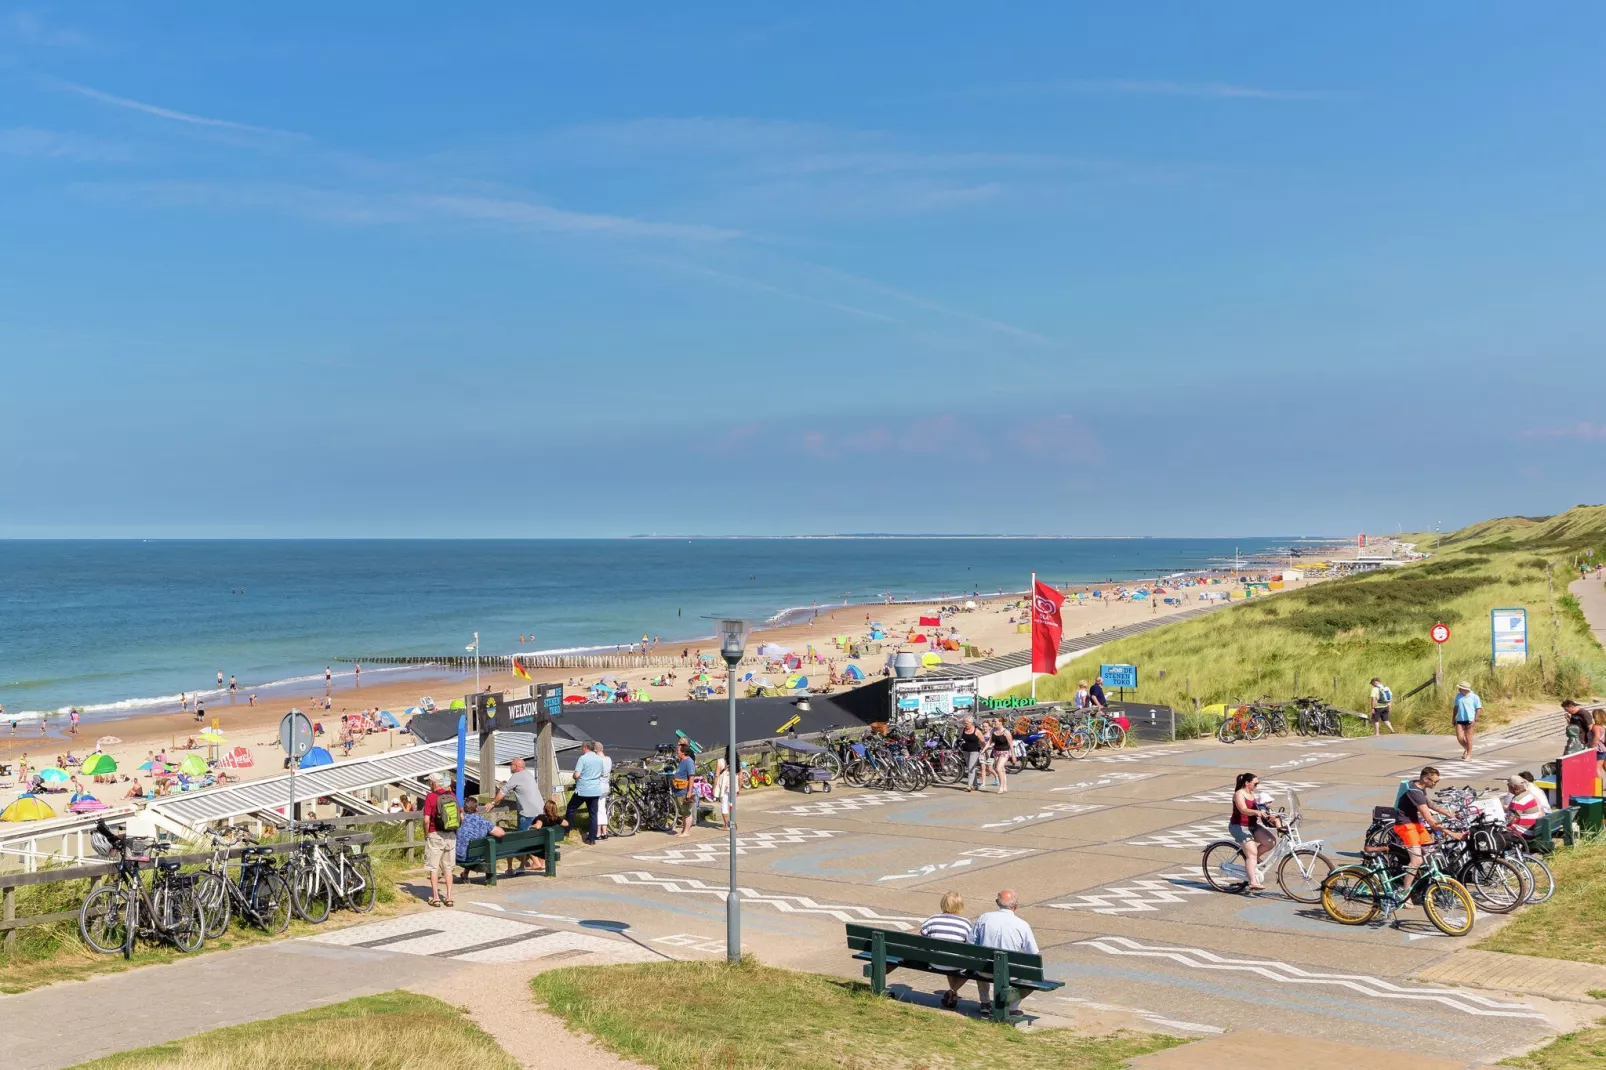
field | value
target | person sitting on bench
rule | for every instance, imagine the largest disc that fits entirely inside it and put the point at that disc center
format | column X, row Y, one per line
column 1003, row 930
column 475, row 827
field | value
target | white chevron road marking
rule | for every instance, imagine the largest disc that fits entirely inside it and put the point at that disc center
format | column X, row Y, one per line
column 1455, row 770
column 1140, row 896
column 1108, row 780
column 1154, row 1017
column 1135, row 756
column 1311, row 759
column 846, row 803
column 1224, row 795
column 786, row 904
column 713, row 850
column 1196, row 836
column 1048, row 812
column 1283, row 973
column 966, row 858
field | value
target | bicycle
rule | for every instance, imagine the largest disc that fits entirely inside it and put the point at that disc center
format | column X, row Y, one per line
column 318, row 873
column 259, row 895
column 1356, row 894
column 1300, row 864
column 1242, row 723
column 114, row 915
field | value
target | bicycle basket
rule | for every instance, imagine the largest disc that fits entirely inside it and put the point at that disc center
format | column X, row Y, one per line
column 1488, row 841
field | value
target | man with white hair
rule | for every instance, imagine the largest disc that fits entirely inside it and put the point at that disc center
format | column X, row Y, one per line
column 1003, row 930
column 440, row 842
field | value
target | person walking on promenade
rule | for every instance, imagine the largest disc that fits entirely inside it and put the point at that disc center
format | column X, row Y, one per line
column 1003, row 930
column 607, row 786
column 587, row 789
column 950, row 925
column 440, row 841
column 1003, row 745
column 1095, row 696
column 684, row 790
column 970, row 744
column 1467, row 707
column 725, row 786
column 1382, row 699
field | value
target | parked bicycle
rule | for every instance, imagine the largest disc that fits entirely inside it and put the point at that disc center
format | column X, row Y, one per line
column 113, row 916
column 258, row 895
column 322, row 874
column 1383, row 882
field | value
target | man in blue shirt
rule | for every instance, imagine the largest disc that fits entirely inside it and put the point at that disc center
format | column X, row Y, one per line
column 588, row 772
column 473, row 827
column 1467, row 706
column 684, row 790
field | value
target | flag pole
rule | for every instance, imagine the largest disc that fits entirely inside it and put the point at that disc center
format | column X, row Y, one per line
column 1031, row 600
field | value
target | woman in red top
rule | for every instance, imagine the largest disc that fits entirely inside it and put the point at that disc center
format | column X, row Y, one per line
column 1246, row 828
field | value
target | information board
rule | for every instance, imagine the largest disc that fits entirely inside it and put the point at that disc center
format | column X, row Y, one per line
column 934, row 697
column 1123, row 676
column 1508, row 633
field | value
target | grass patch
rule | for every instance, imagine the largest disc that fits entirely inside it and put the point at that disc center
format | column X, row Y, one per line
column 1583, row 1050
column 703, row 1016
column 1572, row 925
column 393, row 1029
column 48, row 954
column 1330, row 639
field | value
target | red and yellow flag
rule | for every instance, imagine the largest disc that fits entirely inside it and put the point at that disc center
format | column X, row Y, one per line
column 519, row 670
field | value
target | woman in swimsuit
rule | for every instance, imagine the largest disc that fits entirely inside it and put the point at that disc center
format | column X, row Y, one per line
column 1003, row 744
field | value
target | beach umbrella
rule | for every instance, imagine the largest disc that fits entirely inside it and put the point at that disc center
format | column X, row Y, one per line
column 388, row 719
column 107, row 741
column 931, row 659
column 54, row 775
column 763, row 681
column 315, row 757
column 194, row 765
column 96, row 764
column 86, row 804
column 27, row 808
column 457, row 704
column 414, row 711
column 211, row 735
column 918, row 639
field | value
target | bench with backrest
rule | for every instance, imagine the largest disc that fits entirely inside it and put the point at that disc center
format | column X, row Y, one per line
column 883, row 950
column 485, row 852
column 1543, row 832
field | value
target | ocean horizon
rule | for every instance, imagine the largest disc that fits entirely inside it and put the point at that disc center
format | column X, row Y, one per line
column 117, row 625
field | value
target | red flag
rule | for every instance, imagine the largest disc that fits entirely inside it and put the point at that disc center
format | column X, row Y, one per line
column 519, row 670
column 1046, row 628
column 931, row 622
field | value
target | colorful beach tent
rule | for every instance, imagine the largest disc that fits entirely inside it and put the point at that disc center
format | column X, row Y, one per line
column 315, row 757
column 796, row 682
column 457, row 704
column 193, row 765
column 573, row 700
column 86, row 804
column 414, row 711
column 27, row 808
column 931, row 659
column 918, row 639
column 238, row 758
column 854, row 673
column 930, row 622
column 388, row 719
column 97, row 764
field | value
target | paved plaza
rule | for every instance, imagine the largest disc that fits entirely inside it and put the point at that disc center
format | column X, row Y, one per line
column 1104, row 855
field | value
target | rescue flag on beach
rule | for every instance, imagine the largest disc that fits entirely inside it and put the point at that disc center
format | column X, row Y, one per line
column 1047, row 627
column 519, row 670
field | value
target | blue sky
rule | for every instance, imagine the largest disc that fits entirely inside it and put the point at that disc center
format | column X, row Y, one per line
column 368, row 269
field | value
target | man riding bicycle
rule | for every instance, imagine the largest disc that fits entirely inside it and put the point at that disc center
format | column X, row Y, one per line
column 1419, row 826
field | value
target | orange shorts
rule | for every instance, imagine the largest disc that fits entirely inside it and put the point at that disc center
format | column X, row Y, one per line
column 1413, row 834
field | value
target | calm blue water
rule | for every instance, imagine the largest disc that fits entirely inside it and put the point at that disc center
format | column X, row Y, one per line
column 119, row 625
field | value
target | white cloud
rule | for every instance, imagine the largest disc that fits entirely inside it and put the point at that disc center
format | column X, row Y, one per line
column 172, row 114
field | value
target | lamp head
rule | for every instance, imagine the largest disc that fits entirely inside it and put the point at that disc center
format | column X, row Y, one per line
column 732, row 634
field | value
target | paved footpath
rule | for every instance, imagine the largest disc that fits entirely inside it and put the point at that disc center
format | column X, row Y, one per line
column 1104, row 853
column 1591, row 595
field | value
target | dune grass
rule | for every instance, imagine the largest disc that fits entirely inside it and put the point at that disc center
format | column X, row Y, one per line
column 1572, row 924
column 1583, row 1050
column 708, row 1015
column 391, row 1030
column 1330, row 639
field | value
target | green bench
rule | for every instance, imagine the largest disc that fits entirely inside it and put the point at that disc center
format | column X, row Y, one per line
column 486, row 852
column 884, row 950
column 1556, row 823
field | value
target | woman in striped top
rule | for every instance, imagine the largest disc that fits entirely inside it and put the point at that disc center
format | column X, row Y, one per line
column 1527, row 805
column 949, row 925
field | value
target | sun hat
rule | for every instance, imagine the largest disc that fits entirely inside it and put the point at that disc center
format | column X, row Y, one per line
column 1463, row 686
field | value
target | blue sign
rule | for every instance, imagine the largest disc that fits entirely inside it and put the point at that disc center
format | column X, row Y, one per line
column 1119, row 676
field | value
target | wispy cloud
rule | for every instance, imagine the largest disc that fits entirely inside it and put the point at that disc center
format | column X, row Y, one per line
column 750, row 283
column 172, row 114
column 29, row 141
column 916, row 300
column 30, row 28
column 1143, row 87
column 1583, row 431
column 351, row 208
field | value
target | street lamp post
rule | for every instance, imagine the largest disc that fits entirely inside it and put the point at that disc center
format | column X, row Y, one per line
column 732, row 644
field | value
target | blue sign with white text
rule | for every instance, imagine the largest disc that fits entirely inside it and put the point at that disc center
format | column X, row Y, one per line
column 1119, row 676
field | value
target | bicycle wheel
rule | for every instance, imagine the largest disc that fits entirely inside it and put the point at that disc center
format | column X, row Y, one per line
column 103, row 919
column 268, row 896
column 1114, row 736
column 950, row 767
column 1301, row 874
column 1228, row 731
column 1497, row 885
column 828, row 761
column 179, row 918
column 1224, row 867
column 1351, row 896
column 363, row 897
column 310, row 895
column 624, row 816
column 212, row 892
column 1254, row 727
column 905, row 777
column 1450, row 907
column 1079, row 744
column 1279, row 725
column 1542, row 882
column 1039, row 758
column 856, row 772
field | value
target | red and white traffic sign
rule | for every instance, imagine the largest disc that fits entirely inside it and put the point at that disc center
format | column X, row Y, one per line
column 1439, row 633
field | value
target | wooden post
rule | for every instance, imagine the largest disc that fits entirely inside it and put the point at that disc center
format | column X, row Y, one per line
column 8, row 912
column 408, row 836
column 878, row 962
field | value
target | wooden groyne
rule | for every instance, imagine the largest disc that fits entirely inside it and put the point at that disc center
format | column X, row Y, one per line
column 504, row 662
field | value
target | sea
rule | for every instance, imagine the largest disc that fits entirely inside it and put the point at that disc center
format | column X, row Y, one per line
column 116, row 627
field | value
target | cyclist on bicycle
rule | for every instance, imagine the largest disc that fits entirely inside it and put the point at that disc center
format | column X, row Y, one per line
column 1420, row 827
column 1246, row 828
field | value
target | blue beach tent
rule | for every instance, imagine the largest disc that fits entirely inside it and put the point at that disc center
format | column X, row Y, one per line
column 315, row 757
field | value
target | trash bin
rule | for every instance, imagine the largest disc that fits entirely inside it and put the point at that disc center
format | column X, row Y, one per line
column 1590, row 809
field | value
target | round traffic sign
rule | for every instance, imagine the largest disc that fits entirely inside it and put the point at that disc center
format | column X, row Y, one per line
column 295, row 734
column 1439, row 633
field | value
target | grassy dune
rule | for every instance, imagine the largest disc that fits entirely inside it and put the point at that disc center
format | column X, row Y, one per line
column 1332, row 638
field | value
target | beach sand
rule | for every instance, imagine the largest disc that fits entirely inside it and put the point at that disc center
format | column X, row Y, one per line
column 990, row 627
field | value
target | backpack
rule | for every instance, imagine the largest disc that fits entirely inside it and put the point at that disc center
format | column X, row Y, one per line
column 1384, row 695
column 448, row 816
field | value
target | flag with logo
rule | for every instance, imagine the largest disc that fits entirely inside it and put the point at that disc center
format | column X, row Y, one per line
column 1047, row 627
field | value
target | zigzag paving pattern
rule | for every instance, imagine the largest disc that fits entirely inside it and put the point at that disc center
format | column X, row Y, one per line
column 785, row 904
column 1107, row 780
column 1458, row 769
column 1144, row 895
column 713, row 850
column 842, row 804
column 469, row 937
column 1224, row 795
column 1194, row 836
column 1047, row 813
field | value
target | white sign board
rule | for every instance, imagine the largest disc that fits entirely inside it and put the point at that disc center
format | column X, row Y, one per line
column 1508, row 630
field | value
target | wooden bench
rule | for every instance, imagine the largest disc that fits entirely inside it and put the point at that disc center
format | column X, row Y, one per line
column 484, row 853
column 884, row 950
column 1544, row 831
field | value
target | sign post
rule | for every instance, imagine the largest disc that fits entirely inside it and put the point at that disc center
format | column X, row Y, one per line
column 1508, row 635
column 295, row 736
column 1120, row 677
column 1440, row 634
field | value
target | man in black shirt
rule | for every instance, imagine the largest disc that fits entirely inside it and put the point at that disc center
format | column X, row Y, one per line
column 1415, row 832
column 1095, row 695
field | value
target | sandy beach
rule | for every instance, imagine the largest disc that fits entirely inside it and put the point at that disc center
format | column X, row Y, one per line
column 991, row 628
